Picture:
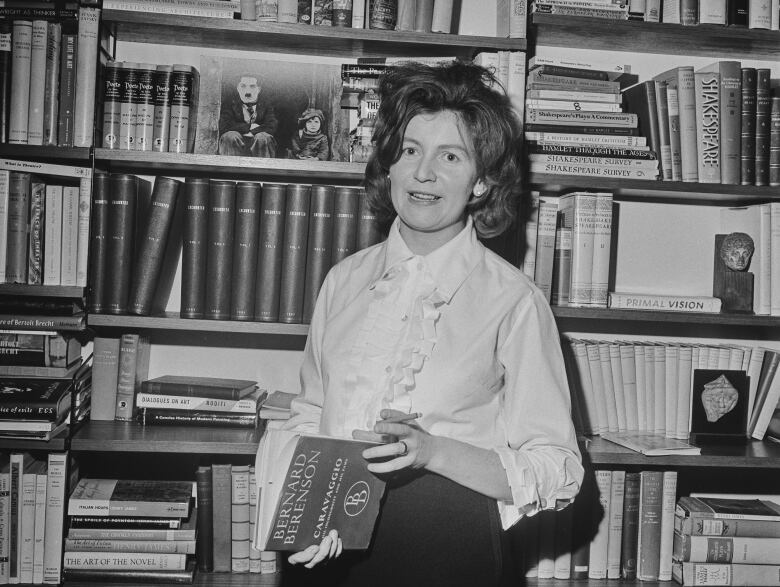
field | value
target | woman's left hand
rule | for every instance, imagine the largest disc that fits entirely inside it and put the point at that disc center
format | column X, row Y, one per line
column 413, row 447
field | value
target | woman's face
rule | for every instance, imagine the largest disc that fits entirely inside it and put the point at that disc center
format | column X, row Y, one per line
column 433, row 180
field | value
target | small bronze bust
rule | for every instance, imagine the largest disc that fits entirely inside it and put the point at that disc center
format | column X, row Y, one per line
column 736, row 250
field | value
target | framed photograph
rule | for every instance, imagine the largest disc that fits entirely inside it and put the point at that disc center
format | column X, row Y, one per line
column 277, row 109
column 719, row 405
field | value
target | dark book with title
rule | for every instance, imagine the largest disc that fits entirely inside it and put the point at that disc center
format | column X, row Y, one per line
column 322, row 482
column 32, row 398
column 345, row 218
column 270, row 249
column 131, row 497
column 219, row 249
column 123, row 199
column 192, row 386
column 245, row 237
column 194, row 247
column 293, row 273
column 319, row 243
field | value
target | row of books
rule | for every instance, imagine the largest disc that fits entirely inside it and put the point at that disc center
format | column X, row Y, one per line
column 249, row 251
column 715, row 124
column 40, row 408
column 620, row 527
column 569, row 247
column 50, row 76
column 662, row 387
column 44, row 226
column 731, row 539
column 753, row 14
column 32, row 500
column 131, row 530
column 149, row 107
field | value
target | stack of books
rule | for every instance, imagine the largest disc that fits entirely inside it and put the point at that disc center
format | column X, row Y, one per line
column 199, row 401
column 30, row 353
column 40, row 408
column 728, row 540
column 575, row 122
column 359, row 85
column 131, row 530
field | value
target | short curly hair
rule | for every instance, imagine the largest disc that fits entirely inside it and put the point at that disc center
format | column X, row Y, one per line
column 488, row 120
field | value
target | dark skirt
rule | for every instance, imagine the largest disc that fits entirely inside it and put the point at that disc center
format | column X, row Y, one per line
column 431, row 532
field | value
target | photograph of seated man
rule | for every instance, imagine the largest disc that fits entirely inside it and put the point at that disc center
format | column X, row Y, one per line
column 247, row 122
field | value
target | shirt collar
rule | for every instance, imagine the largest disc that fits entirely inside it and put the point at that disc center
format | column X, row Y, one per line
column 449, row 265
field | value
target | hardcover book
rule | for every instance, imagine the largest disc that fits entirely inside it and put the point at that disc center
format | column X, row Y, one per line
column 688, row 573
column 26, row 398
column 194, row 247
column 219, row 248
column 319, row 243
column 269, row 258
column 710, row 516
column 350, row 504
column 132, row 497
column 245, row 241
column 192, row 386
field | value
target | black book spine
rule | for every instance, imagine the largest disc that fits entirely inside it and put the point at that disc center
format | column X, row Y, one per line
column 151, row 250
column 269, row 258
column 163, row 417
column 5, row 83
column 738, row 12
column 194, row 247
column 630, row 531
column 763, row 115
column 203, row 546
column 345, row 216
column 748, row 131
column 247, row 228
column 296, row 230
column 219, row 250
column 319, row 245
column 122, row 204
column 593, row 130
column 368, row 230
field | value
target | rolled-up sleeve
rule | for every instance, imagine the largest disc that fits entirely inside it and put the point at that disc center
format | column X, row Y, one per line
column 541, row 456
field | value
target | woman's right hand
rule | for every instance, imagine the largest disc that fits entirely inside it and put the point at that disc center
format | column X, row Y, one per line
column 330, row 547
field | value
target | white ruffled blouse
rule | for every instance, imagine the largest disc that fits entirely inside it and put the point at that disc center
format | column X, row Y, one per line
column 458, row 335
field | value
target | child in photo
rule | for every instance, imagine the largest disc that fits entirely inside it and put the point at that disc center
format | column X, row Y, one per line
column 309, row 142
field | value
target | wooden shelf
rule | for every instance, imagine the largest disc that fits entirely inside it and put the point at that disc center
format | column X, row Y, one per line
column 173, row 322
column 68, row 155
column 214, row 580
column 43, row 291
column 245, row 35
column 656, row 190
column 248, row 168
column 97, row 436
column 713, row 41
column 750, row 455
column 672, row 317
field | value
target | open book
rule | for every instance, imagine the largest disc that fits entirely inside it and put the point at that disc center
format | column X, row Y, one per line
column 309, row 484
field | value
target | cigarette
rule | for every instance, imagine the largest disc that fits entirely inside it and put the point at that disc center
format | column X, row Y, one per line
column 402, row 418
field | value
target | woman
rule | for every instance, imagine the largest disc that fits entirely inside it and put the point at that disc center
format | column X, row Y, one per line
column 430, row 321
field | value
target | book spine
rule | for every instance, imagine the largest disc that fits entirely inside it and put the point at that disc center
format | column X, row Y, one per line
column 696, row 574
column 270, row 250
column 561, row 276
column 578, row 211
column 597, row 563
column 650, row 512
column 36, row 234
column 156, row 230
column 345, row 211
column 668, row 501
column 255, row 555
column 113, row 82
column 178, row 402
column 21, row 55
column 650, row 166
column 57, row 468
column 194, row 247
column 5, row 179
column 163, row 89
column 153, row 416
column 167, row 546
column 673, row 101
column 126, row 376
column 182, row 102
column 730, row 549
column 763, row 119
column 128, row 103
column 83, row 216
column 122, row 203
column 730, row 121
column 616, row 500
column 149, row 534
column 221, row 487
column 143, row 124
column 205, row 555
column 245, row 250
column 774, row 143
column 291, row 288
column 594, row 118
column 551, row 139
column 239, row 518
column 596, row 131
column 629, row 536
column 369, row 231
column 120, row 522
column 759, row 15
column 6, row 34
column 86, row 64
column 37, row 82
column 98, row 244
column 708, row 115
column 219, row 256
column 602, row 241
column 5, row 530
column 51, row 87
column 20, row 185
column 319, row 244
column 191, row 389
column 664, row 136
column 39, row 527
column 686, row 98
column 27, row 536
column 43, row 323
column 669, row 303
column 124, row 560
column 641, row 101
column 545, row 246
column 67, row 95
column 70, row 235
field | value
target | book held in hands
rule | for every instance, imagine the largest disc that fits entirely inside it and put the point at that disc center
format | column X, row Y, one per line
column 311, row 484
